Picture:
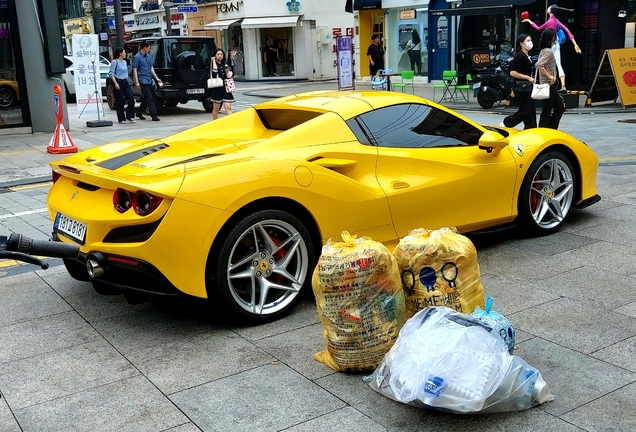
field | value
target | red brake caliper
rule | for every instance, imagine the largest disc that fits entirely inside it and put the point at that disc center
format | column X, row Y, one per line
column 278, row 255
column 534, row 196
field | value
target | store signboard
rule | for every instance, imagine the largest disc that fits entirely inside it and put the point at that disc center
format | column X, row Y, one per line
column 86, row 71
column 408, row 14
column 345, row 63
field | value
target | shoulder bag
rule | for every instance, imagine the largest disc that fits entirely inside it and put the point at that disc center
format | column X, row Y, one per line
column 560, row 34
column 540, row 91
column 214, row 82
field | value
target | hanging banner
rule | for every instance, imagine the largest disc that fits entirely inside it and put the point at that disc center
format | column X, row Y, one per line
column 86, row 71
column 345, row 63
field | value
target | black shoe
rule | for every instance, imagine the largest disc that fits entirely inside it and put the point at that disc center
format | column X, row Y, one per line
column 563, row 90
column 140, row 116
column 155, row 118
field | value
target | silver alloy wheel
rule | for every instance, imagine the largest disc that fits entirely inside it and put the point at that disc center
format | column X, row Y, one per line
column 6, row 97
column 267, row 267
column 551, row 193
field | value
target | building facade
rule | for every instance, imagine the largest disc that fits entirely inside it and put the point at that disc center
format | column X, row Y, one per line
column 298, row 37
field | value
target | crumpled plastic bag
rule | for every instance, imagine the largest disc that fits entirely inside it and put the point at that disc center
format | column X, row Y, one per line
column 439, row 268
column 449, row 361
column 360, row 302
column 501, row 326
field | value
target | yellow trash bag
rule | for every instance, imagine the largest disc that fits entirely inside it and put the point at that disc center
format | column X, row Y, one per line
column 360, row 302
column 439, row 268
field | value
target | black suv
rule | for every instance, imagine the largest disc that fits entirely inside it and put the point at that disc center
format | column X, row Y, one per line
column 181, row 62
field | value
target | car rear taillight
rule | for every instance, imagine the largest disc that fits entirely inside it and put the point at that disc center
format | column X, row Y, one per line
column 145, row 203
column 122, row 200
column 56, row 176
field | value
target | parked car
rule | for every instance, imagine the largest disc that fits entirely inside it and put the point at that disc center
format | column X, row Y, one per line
column 236, row 210
column 9, row 93
column 181, row 62
column 69, row 75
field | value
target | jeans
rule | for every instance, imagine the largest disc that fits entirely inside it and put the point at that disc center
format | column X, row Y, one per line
column 147, row 100
column 526, row 112
column 124, row 92
column 552, row 109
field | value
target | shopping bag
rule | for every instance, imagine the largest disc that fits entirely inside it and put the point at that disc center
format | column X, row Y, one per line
column 230, row 87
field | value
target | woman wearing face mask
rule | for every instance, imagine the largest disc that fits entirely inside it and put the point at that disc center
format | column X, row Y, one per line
column 521, row 71
column 554, row 24
column 552, row 108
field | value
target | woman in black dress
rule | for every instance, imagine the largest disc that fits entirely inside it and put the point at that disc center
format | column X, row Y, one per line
column 220, row 69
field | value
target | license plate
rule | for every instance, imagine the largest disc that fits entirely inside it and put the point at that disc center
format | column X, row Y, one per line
column 72, row 228
column 195, row 91
column 476, row 85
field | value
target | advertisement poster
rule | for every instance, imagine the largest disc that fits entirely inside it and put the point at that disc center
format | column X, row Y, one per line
column 88, row 87
column 345, row 63
column 624, row 67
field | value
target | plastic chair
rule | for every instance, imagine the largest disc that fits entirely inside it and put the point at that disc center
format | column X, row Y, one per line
column 406, row 75
column 449, row 82
column 468, row 87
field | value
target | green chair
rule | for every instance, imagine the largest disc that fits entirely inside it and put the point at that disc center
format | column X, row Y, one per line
column 406, row 76
column 468, row 87
column 449, row 82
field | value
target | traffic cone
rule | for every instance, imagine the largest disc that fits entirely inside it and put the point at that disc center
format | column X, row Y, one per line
column 61, row 141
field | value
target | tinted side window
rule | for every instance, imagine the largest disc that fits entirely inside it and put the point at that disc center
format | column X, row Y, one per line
column 419, row 126
column 358, row 131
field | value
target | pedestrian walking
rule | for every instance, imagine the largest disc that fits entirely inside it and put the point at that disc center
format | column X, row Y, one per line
column 521, row 71
column 118, row 73
column 143, row 73
column 220, row 95
column 375, row 54
column 552, row 108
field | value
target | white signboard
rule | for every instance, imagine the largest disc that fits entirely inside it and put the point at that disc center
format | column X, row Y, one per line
column 345, row 63
column 88, row 87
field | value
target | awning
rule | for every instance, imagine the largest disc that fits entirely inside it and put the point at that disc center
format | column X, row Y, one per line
column 220, row 25
column 270, row 22
column 481, row 7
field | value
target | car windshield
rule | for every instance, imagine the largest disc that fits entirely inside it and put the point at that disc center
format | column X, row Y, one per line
column 177, row 48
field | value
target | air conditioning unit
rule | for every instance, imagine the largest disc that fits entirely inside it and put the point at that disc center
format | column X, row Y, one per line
column 323, row 35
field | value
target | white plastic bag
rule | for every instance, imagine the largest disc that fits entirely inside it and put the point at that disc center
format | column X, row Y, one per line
column 449, row 361
column 501, row 326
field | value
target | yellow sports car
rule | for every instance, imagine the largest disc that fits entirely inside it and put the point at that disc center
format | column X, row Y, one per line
column 9, row 93
column 237, row 209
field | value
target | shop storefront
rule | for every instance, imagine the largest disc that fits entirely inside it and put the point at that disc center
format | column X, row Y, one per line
column 276, row 39
column 13, row 106
column 407, row 38
column 153, row 23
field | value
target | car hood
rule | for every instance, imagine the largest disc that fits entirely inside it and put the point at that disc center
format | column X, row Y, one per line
column 150, row 164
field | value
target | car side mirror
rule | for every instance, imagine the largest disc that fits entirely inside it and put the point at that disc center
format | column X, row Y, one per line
column 492, row 142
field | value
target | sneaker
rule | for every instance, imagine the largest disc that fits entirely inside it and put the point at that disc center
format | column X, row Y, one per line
column 155, row 118
column 122, row 122
column 140, row 116
column 563, row 90
column 130, row 120
column 502, row 124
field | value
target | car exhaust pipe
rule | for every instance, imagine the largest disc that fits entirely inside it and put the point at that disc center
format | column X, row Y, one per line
column 94, row 266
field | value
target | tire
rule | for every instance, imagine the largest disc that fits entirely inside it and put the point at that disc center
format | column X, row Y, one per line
column 190, row 67
column 283, row 255
column 77, row 270
column 171, row 103
column 547, row 194
column 7, row 97
column 484, row 101
column 208, row 106
column 110, row 96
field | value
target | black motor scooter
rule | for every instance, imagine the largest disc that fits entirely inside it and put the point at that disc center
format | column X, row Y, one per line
column 494, row 83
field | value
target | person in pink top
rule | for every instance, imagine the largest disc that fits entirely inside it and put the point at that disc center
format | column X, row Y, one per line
column 554, row 24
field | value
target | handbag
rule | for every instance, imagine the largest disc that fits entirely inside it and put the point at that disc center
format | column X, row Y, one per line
column 230, row 87
column 215, row 82
column 540, row 91
column 524, row 86
column 560, row 35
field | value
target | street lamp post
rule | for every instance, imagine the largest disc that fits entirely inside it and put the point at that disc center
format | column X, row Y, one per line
column 167, row 5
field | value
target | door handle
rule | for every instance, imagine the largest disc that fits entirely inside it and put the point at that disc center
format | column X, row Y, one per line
column 400, row 184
